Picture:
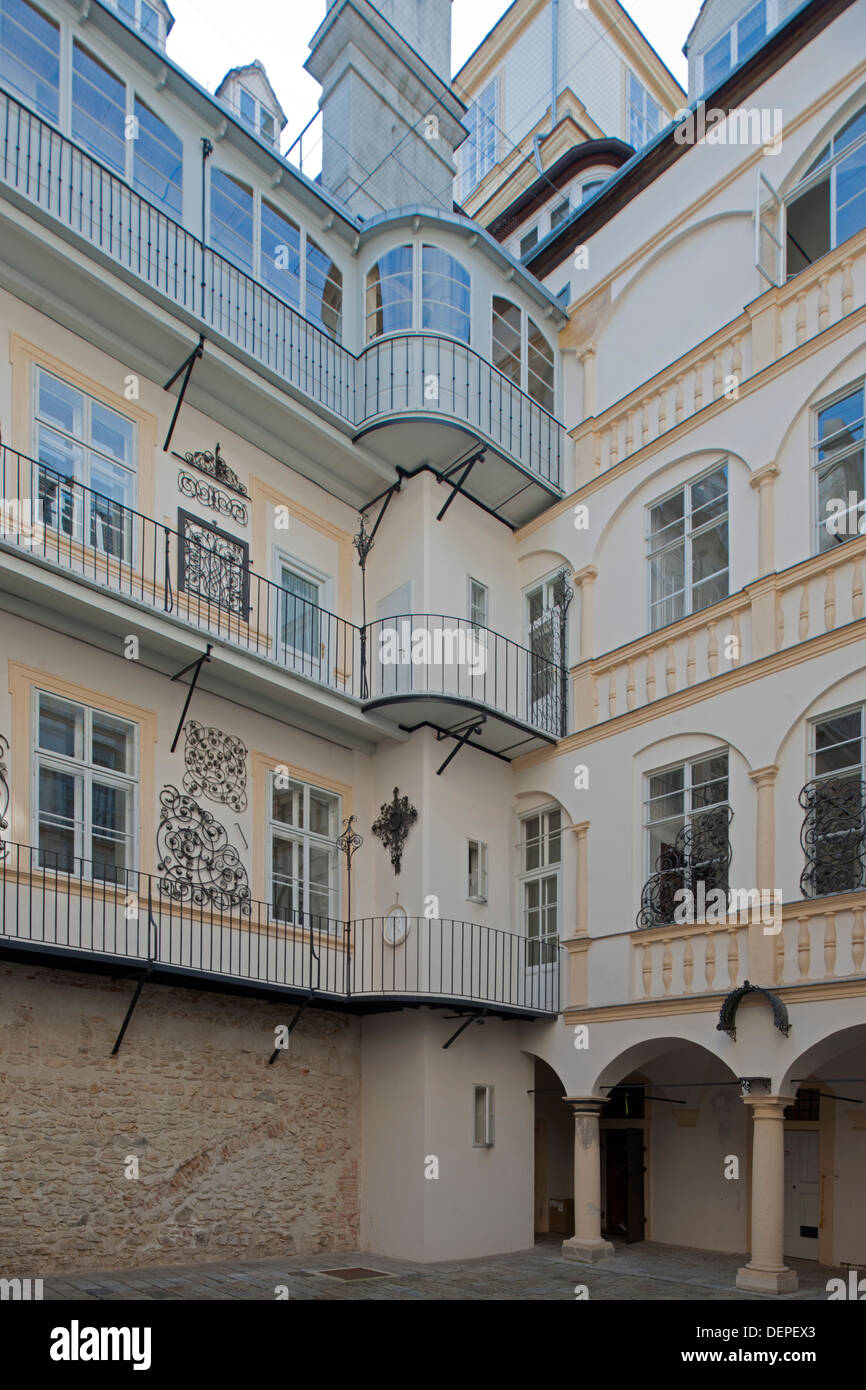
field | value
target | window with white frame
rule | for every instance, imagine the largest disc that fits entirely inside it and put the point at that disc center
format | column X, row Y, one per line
column 476, row 871
column 686, row 817
column 418, row 287
column 587, row 189
column 87, row 454
column 559, row 213
column 688, row 548
column 143, row 16
column 483, row 1117
column 479, row 603
column 478, row 153
column 157, row 161
column 98, row 109
column 304, row 823
column 522, row 353
column 540, row 859
column 835, row 804
column 828, row 205
column 643, row 114
column 528, row 242
column 85, row 789
column 736, row 45
column 256, row 116
column 837, row 465
column 30, row 56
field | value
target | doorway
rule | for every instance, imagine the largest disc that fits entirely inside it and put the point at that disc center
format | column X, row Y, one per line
column 802, row 1193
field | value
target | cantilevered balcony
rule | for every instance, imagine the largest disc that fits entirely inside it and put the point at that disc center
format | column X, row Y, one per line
column 203, row 929
column 201, row 580
column 379, row 396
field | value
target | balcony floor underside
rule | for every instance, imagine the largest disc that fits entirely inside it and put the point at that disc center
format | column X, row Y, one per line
column 131, row 969
column 498, row 734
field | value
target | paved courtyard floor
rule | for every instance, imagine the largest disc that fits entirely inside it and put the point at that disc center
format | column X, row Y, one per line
column 640, row 1272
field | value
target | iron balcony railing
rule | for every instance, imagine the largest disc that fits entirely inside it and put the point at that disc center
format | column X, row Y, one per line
column 56, row 901
column 203, row 577
column 56, row 177
column 833, row 835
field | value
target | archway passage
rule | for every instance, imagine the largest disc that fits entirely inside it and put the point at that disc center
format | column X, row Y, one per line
column 623, row 1143
column 554, row 1156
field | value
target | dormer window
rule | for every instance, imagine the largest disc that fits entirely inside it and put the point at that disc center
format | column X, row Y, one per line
column 147, row 18
column 250, row 95
column 257, row 116
column 737, row 44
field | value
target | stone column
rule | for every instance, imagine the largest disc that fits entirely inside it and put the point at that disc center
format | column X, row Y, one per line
column 577, row 945
column 586, row 358
column 584, row 712
column 766, row 1271
column 586, row 1245
column 762, row 480
column 762, row 933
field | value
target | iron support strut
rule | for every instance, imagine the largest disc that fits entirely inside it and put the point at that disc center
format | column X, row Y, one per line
column 197, row 664
column 462, row 733
column 186, row 367
column 292, row 1026
column 473, row 1018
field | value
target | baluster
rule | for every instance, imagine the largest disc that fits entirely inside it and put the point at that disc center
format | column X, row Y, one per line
column 858, row 941
column 710, row 961
column 667, row 965
column 670, row 669
column 678, row 399
column 779, row 959
column 629, row 686
column 595, row 714
column 629, row 433
column 803, row 626
column 712, row 650
column 737, row 358
column 804, row 948
column 738, row 641
column 857, row 590
column 733, row 955
column 830, row 945
column 847, row 286
column 780, row 623
column 644, row 421
column 801, row 317
column 823, row 302
column 651, row 676
column 647, row 969
column 829, row 601
column 663, row 411
column 613, row 456
column 611, row 694
column 717, row 374
column 699, row 386
column 691, row 661
column 596, row 450
column 688, row 967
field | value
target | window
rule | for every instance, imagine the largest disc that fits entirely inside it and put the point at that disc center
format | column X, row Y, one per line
column 157, row 162
column 837, row 462
column 482, row 1117
column 828, row 205
column 479, row 603
column 445, row 294
column 734, row 47
column 686, row 816
column 445, row 289
column 30, row 56
column 545, row 621
column 533, row 370
column 559, row 213
column 528, row 243
column 253, row 114
column 478, row 152
column 643, row 114
column 301, row 619
column 98, row 109
column 304, row 869
column 834, row 834
column 390, row 293
column 324, row 291
column 231, row 218
column 85, row 787
column 588, row 189
column 688, row 549
column 80, row 441
column 280, row 254
column 541, row 855
column 476, row 876
column 143, row 16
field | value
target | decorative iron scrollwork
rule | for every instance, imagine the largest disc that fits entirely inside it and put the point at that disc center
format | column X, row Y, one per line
column 216, row 766
column 392, row 826
column 213, row 565
column 215, row 466
column 196, row 861
column 833, row 835
column 4, row 795
column 700, row 855
column 728, row 1013
column 210, row 496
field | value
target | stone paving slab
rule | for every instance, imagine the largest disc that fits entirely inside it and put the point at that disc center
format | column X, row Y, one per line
column 640, row 1272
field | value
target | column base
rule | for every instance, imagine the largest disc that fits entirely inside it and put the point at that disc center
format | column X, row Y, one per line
column 755, row 1280
column 588, row 1252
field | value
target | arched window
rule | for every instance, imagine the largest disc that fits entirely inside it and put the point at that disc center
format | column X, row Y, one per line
column 157, row 161
column 522, row 353
column 436, row 300
column 828, row 205
column 324, row 290
column 445, row 294
column 390, row 293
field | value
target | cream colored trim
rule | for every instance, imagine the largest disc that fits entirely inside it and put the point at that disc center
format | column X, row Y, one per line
column 261, row 764
column 22, row 680
column 819, row 992
column 262, row 494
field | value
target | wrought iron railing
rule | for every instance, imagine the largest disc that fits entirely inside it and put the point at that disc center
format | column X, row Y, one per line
column 51, row 174
column 56, row 901
column 688, row 870
column 202, row 577
column 833, row 835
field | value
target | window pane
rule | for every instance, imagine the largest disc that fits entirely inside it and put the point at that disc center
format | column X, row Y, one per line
column 321, row 868
column 709, row 781
column 56, row 819
column 851, row 195
column 323, row 812
column 231, row 218
column 838, row 743
column 445, row 294
column 667, row 586
column 840, row 425
column 284, row 886
column 111, row 433
column 540, row 368
column 529, row 242
column 751, row 31
column 30, row 56
column 288, row 804
column 717, row 62
column 61, row 405
column 507, row 338
column 281, row 255
column 667, row 520
column 840, row 484
column 324, row 291
column 531, row 843
column 666, row 794
column 109, row 813
column 389, row 293
column 851, row 131
column 112, row 741
column 709, row 497
column 158, row 162
column 98, row 109
column 149, row 20
column 559, row 213
column 61, row 726
column 710, row 566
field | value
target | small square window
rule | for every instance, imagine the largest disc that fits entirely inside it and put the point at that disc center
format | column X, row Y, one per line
column 483, row 1119
column 528, row 242
column 248, row 107
column 478, row 603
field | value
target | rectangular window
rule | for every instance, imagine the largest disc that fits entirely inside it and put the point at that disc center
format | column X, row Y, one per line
column 686, row 817
column 735, row 46
column 559, row 213
column 157, row 162
column 324, row 291
column 837, row 463
column 478, row 153
column 718, row 62
column 304, row 824
column 688, row 549
column 643, row 114
column 528, row 242
column 483, row 1117
column 86, row 777
column 541, row 855
column 301, row 621
column 30, row 56
column 98, row 109
column 231, row 218
column 476, row 887
column 479, row 596
column 834, row 834
column 88, row 454
column 281, row 255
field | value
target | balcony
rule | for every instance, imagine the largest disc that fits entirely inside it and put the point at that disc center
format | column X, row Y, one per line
column 202, row 581
column 380, row 395
column 111, row 919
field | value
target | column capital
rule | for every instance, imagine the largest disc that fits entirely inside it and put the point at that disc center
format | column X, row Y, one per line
column 764, row 776
column 587, row 575
column 586, row 1105
column 579, row 827
column 588, row 350
column 764, row 476
column 768, row 1107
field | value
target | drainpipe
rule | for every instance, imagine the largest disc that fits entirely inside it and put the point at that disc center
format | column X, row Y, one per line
column 554, row 63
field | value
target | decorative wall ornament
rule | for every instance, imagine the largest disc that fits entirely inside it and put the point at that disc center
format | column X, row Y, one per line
column 215, row 466
column 196, row 861
column 392, row 826
column 728, row 1013
column 216, row 766
column 754, row 1085
column 213, row 565
column 210, row 496
column 833, row 835
column 698, row 860
column 347, row 843
column 4, row 794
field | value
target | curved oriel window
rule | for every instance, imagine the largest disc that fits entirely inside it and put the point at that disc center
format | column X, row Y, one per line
column 446, row 291
column 231, row 218
column 324, row 290
column 522, row 353
column 157, row 162
column 539, row 367
column 390, row 293
column 436, row 300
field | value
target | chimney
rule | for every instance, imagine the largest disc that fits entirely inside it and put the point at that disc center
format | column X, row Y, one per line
column 390, row 121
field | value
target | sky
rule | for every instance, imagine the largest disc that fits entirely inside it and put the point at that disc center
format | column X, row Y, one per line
column 211, row 36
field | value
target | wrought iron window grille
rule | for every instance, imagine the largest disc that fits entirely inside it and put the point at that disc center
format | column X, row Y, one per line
column 833, row 835
column 697, row 863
